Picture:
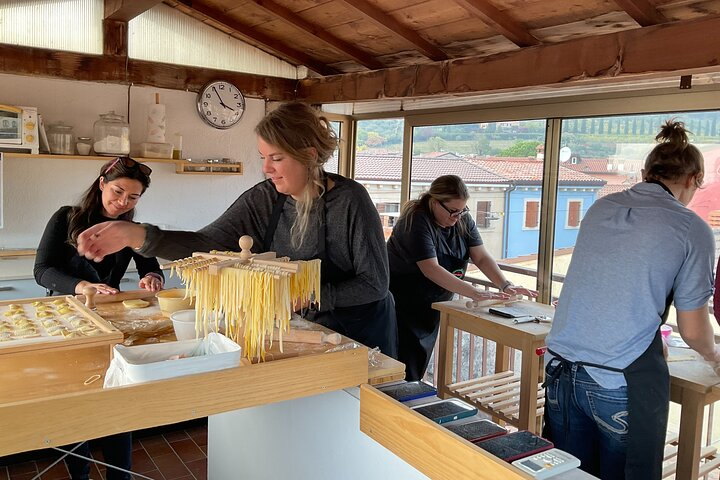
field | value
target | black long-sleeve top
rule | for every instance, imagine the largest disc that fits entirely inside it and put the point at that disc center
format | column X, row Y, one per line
column 354, row 238
column 59, row 267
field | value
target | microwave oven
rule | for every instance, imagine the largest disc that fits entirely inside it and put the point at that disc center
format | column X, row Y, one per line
column 19, row 129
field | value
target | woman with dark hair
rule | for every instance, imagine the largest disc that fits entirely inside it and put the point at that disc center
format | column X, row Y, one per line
column 61, row 270
column 637, row 252
column 301, row 212
column 112, row 196
column 429, row 250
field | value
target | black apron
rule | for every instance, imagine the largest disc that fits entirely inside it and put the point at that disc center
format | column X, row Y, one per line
column 648, row 390
column 372, row 324
column 418, row 323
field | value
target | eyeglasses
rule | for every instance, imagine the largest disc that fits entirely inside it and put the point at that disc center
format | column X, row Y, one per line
column 455, row 213
column 129, row 163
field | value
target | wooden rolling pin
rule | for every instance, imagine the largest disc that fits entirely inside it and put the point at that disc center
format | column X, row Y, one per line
column 307, row 336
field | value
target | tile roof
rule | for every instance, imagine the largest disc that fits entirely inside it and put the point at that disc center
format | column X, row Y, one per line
column 589, row 165
column 492, row 170
column 388, row 168
column 530, row 171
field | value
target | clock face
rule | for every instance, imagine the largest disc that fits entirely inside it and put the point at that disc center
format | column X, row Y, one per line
column 221, row 104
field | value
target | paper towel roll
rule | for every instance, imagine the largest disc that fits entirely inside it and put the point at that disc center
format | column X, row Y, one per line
column 156, row 123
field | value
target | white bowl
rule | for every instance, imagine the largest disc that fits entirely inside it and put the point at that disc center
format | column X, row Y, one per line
column 184, row 324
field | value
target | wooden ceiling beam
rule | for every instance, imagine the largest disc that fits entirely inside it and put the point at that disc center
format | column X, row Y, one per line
column 363, row 58
column 126, row 10
column 112, row 69
column 259, row 39
column 501, row 22
column 640, row 53
column 643, row 12
column 387, row 22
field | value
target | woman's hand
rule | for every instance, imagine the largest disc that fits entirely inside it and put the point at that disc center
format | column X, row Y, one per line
column 151, row 282
column 109, row 237
column 101, row 288
column 480, row 295
column 515, row 290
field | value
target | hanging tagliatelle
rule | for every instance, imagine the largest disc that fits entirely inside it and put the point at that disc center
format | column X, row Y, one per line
column 256, row 298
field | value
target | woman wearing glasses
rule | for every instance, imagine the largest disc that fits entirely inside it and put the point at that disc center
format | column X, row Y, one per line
column 429, row 250
column 300, row 211
column 61, row 270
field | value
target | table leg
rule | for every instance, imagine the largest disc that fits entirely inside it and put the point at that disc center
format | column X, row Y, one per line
column 691, row 418
column 445, row 353
column 528, row 391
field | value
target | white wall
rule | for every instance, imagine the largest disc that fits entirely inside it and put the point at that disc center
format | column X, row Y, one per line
column 35, row 187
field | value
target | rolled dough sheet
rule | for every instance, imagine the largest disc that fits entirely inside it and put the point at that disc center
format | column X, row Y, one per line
column 135, row 303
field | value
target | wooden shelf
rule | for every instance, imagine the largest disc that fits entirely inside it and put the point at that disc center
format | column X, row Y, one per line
column 181, row 166
column 497, row 395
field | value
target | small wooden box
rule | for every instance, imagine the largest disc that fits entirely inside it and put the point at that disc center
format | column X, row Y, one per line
column 34, row 361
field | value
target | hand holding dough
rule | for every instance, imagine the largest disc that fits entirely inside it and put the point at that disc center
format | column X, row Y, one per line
column 135, row 303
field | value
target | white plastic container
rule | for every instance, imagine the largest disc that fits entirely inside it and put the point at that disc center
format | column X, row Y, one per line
column 184, row 324
column 145, row 363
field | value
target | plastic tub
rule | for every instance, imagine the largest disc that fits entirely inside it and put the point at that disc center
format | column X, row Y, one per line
column 172, row 300
column 143, row 363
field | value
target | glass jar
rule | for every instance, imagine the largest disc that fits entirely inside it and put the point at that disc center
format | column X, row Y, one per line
column 112, row 135
column 60, row 139
column 84, row 145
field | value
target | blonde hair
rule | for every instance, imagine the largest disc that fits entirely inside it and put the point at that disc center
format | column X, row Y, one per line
column 674, row 157
column 443, row 189
column 297, row 129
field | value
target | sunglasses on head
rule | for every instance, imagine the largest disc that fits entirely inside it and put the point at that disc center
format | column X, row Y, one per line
column 128, row 162
column 454, row 213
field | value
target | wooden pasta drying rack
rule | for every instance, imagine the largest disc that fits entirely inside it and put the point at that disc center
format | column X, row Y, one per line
column 203, row 273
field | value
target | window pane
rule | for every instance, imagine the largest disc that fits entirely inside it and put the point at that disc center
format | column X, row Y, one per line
column 333, row 165
column 378, row 165
column 502, row 164
column 611, row 151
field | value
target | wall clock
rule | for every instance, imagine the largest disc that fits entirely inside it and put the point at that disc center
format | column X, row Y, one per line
column 220, row 104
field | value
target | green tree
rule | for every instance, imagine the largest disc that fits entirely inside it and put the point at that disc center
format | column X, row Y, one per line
column 481, row 146
column 374, row 139
column 526, row 148
column 437, row 144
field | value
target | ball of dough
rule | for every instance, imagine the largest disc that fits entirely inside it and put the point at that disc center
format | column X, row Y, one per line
column 135, row 303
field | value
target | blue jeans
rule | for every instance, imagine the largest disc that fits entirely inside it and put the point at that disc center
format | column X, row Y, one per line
column 597, row 422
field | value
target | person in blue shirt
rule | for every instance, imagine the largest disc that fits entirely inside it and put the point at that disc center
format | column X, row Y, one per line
column 637, row 252
column 429, row 250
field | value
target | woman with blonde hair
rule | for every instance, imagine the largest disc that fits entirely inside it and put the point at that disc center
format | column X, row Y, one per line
column 429, row 250
column 638, row 251
column 300, row 211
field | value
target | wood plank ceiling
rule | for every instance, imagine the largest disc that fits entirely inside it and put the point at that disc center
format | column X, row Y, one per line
column 369, row 49
column 361, row 50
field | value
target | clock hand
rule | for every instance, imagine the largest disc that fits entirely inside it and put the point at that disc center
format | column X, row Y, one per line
column 220, row 98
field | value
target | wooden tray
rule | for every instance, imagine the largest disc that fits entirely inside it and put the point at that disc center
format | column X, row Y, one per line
column 45, row 364
column 82, row 325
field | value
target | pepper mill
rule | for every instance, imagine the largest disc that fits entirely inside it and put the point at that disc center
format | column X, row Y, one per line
column 89, row 293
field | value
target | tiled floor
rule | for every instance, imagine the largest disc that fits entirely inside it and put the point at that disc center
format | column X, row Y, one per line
column 177, row 452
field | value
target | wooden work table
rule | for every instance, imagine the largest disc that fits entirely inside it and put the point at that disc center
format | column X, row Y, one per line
column 65, row 409
column 693, row 384
column 522, row 398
